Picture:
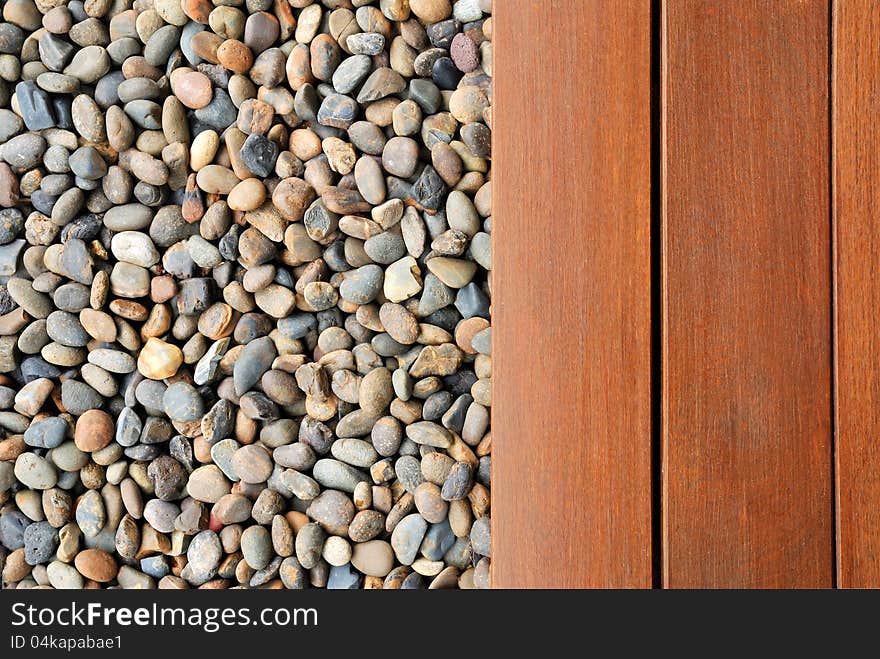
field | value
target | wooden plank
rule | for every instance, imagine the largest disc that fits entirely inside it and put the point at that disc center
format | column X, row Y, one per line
column 571, row 481
column 857, row 223
column 747, row 295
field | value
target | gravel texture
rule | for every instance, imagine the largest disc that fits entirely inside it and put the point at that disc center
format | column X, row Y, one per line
column 245, row 332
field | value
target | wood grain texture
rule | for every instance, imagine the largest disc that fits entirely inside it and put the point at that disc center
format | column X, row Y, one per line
column 571, row 472
column 747, row 468
column 857, row 224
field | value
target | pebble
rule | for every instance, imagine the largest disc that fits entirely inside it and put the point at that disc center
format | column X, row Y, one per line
column 48, row 433
column 40, row 541
column 159, row 360
column 97, row 565
column 91, row 515
column 208, row 484
column 407, row 538
column 94, row 430
column 35, row 472
column 203, row 557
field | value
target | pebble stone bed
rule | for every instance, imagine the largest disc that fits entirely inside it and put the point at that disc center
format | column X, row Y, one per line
column 244, row 293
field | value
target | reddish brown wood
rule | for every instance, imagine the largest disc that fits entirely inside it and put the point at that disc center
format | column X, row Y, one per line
column 857, row 223
column 747, row 295
column 571, row 481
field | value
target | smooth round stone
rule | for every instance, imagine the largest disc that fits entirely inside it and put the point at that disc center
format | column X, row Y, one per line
column 12, row 526
column 63, row 576
column 94, row 430
column 320, row 295
column 29, row 400
column 455, row 273
column 221, row 454
column 208, row 484
column 89, row 64
column 336, row 551
column 134, row 247
column 256, row 358
column 252, row 464
column 481, row 537
column 333, row 510
column 97, row 565
column 361, row 286
column 40, row 542
column 438, row 540
column 337, row 475
column 481, row 250
column 193, row 89
column 461, row 213
column 220, row 113
column 467, row 11
column 65, row 328
column 338, row 111
column 182, row 402
column 407, row 538
column 91, row 515
column 47, row 433
column 367, row 137
column 203, row 556
column 232, row 509
column 35, row 472
column 23, row 151
column 385, row 248
column 351, row 73
column 71, row 297
column 464, row 53
column 356, row 452
column 429, row 503
column 161, row 515
column 374, row 558
column 366, row 43
column 431, row 11
column 33, row 302
column 159, row 360
column 399, row 323
column 295, row 456
column 387, row 434
column 445, row 74
column 69, row 458
column 256, row 547
column 128, row 217
column 114, row 361
column 400, row 156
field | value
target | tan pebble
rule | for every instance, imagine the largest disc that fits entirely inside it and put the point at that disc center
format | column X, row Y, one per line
column 96, row 565
column 159, row 360
column 193, row 89
column 465, row 331
column 247, row 195
column 216, row 179
column 203, row 149
column 98, row 324
column 94, row 430
column 235, row 56
column 217, row 321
